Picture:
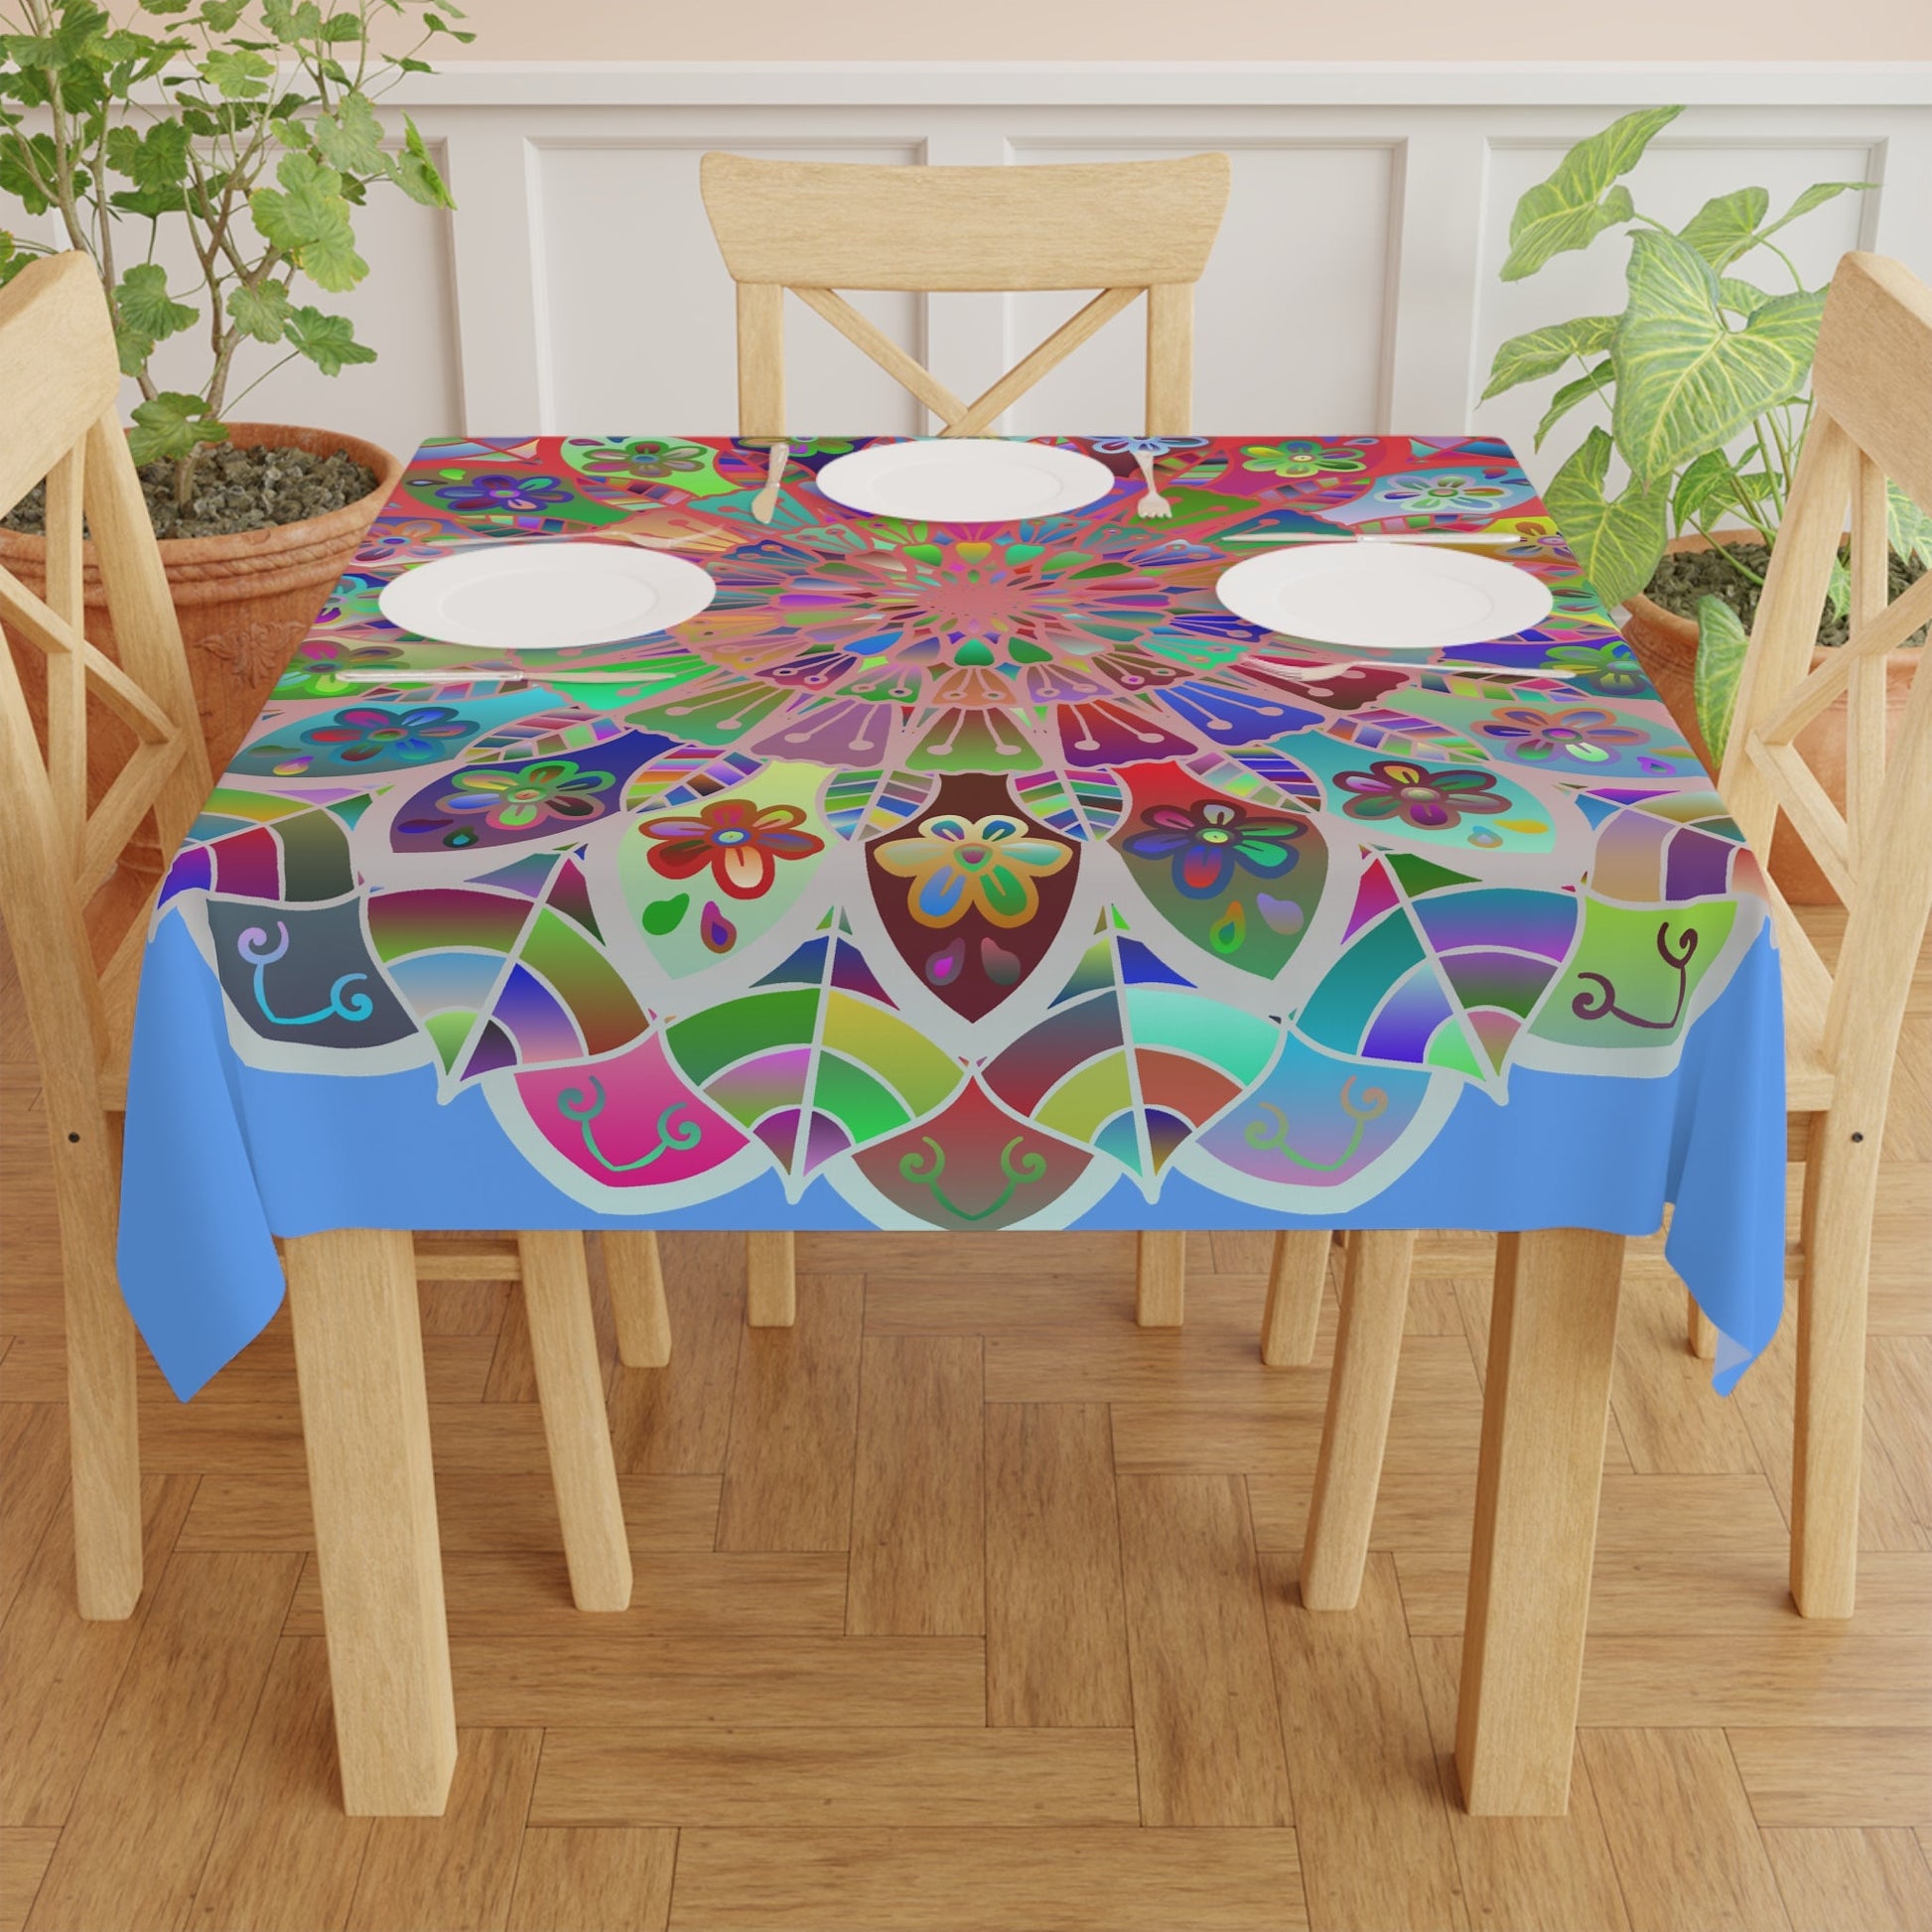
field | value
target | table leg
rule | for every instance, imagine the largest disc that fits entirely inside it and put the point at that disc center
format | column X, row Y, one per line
column 1295, row 1283
column 359, row 1363
column 575, row 1428
column 770, row 1280
column 1546, row 1402
column 631, row 1266
column 1355, row 1430
column 1160, row 1278
column 1700, row 1331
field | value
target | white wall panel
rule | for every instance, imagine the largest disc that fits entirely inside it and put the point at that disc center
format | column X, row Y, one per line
column 1288, row 326
column 638, row 314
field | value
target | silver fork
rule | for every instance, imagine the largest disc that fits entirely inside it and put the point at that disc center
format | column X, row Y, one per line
column 1153, row 503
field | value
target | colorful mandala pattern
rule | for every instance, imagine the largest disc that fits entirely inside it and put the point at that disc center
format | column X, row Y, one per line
column 966, row 872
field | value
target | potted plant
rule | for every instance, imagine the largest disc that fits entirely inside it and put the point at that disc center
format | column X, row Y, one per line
column 1704, row 374
column 252, row 132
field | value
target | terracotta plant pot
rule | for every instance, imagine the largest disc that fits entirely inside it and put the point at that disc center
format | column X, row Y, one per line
column 1667, row 647
column 244, row 601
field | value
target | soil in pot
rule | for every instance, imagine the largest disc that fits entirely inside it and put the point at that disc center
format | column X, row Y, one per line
column 1684, row 576
column 253, row 486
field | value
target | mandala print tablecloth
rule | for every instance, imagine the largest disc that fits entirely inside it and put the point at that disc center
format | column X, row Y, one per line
column 955, row 876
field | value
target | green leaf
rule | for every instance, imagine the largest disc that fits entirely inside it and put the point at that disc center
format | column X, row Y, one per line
column 1741, row 298
column 22, row 160
column 1815, row 195
column 1523, row 359
column 237, row 76
column 219, row 15
column 343, row 26
column 416, row 174
column 1725, row 226
column 170, row 425
column 328, row 342
column 1908, row 528
column 261, row 314
column 309, row 219
column 1722, row 642
column 1571, row 208
column 1708, row 487
column 350, row 139
column 146, row 306
column 1618, row 540
column 1684, row 382
column 155, row 161
column 1592, row 383
column 1837, row 588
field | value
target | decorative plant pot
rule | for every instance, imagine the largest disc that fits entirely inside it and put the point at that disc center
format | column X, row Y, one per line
column 1667, row 646
column 244, row 601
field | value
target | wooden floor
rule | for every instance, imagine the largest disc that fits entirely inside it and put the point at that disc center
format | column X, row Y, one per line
column 967, row 1604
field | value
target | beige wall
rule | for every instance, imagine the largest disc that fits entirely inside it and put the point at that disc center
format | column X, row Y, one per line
column 1208, row 30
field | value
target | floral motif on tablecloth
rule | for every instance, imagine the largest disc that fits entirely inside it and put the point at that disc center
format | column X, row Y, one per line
column 967, row 870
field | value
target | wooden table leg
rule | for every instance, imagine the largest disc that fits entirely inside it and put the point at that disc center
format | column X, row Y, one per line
column 770, row 1280
column 358, row 1363
column 1355, row 1430
column 1160, row 1278
column 631, row 1266
column 1296, row 1281
column 569, row 1391
column 1546, row 1402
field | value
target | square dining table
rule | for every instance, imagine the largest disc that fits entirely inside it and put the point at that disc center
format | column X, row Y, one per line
column 979, row 877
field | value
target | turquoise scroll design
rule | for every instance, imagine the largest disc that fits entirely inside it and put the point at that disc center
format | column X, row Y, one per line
column 253, row 945
column 574, row 1104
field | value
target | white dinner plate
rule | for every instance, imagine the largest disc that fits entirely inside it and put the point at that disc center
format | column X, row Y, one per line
column 1384, row 596
column 965, row 479
column 546, row 595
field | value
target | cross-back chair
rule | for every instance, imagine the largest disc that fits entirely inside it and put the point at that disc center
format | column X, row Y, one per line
column 1127, row 228
column 77, row 921
column 1872, row 384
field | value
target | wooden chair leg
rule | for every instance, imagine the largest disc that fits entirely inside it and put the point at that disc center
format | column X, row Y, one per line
column 770, row 1280
column 101, row 1403
column 570, row 1389
column 631, row 1266
column 1368, row 1346
column 1296, row 1283
column 1841, row 1183
column 359, row 1363
column 1160, row 1278
column 1546, row 1406
column 1700, row 1330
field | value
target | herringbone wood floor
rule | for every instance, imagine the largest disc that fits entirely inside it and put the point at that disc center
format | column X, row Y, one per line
column 967, row 1604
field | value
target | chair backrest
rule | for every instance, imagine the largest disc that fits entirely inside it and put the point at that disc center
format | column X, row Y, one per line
column 77, row 938
column 1127, row 228
column 1872, row 384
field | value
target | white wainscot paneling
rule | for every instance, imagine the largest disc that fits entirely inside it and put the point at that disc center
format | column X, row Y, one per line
column 1289, row 319
column 1672, row 181
column 636, row 316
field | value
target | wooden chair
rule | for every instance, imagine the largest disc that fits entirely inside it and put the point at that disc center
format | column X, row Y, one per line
column 1871, row 383
column 78, row 925
column 1873, row 387
column 1127, row 228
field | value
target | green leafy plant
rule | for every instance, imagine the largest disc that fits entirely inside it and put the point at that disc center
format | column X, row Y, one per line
column 251, row 125
column 1704, row 374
